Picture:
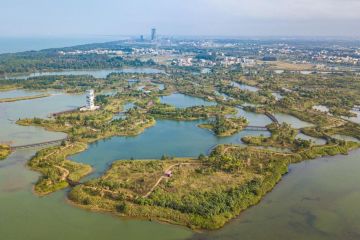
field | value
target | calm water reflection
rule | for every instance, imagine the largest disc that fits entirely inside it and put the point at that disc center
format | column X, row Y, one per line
column 317, row 200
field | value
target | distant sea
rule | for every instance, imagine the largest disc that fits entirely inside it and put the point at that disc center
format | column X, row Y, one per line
column 17, row 44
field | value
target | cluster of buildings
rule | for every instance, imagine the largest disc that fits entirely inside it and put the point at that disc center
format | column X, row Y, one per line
column 93, row 51
column 183, row 62
column 228, row 61
column 151, row 51
column 337, row 59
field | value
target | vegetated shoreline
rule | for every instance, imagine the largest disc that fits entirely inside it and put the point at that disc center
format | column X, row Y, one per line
column 88, row 127
column 163, row 220
column 208, row 223
column 50, row 70
column 266, row 188
column 4, row 100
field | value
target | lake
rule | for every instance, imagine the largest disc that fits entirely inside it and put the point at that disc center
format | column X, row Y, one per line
column 318, row 199
column 173, row 138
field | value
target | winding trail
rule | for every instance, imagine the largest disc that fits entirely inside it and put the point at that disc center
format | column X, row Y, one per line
column 163, row 176
column 65, row 174
column 65, row 171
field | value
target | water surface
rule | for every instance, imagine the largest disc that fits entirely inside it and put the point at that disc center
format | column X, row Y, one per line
column 102, row 73
column 172, row 138
column 245, row 87
column 317, row 200
column 10, row 112
column 293, row 121
column 183, row 101
column 26, row 216
column 18, row 93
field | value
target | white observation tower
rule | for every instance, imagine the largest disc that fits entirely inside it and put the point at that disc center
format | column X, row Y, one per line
column 90, row 101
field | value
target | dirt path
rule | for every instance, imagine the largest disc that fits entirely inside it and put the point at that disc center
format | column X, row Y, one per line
column 163, row 176
column 65, row 171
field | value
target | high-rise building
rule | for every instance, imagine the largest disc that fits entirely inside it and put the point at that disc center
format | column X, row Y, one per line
column 90, row 99
column 153, row 34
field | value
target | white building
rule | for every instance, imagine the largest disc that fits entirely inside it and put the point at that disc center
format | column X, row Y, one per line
column 90, row 101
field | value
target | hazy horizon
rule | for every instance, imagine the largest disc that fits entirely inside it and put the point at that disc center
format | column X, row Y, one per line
column 227, row 18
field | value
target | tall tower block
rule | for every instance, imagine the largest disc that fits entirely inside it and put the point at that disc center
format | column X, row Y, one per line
column 153, row 34
column 90, row 98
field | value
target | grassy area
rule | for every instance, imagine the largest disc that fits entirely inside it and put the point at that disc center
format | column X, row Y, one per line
column 4, row 151
column 56, row 170
column 165, row 111
column 283, row 65
column 347, row 129
column 202, row 193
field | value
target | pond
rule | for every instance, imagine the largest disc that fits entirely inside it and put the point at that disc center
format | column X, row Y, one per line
column 183, row 101
column 243, row 86
column 277, row 96
column 10, row 112
column 355, row 119
column 316, row 141
column 345, row 138
column 293, row 121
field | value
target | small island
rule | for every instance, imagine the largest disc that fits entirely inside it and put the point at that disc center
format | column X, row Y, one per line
column 5, row 151
column 223, row 126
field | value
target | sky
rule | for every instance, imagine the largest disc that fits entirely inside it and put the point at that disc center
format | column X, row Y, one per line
column 180, row 17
